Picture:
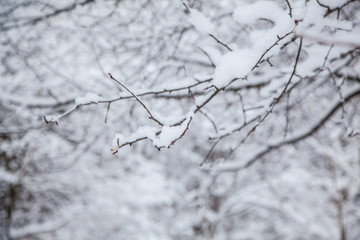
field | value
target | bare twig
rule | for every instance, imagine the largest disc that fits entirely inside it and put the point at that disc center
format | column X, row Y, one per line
column 327, row 55
column 336, row 9
column 209, row 153
column 107, row 112
column 137, row 99
column 220, row 42
column 116, row 149
column 208, row 56
column 207, row 100
column 186, row 129
column 268, row 49
column 186, row 6
column 290, row 9
column 212, row 121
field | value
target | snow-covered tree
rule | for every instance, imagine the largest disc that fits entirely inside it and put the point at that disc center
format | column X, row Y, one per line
column 225, row 119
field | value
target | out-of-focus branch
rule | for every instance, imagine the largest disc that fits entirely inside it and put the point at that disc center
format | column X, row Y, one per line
column 329, row 41
column 296, row 137
column 336, row 9
column 47, row 16
column 33, row 230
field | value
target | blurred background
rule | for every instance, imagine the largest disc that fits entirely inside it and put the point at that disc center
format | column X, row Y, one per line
column 276, row 155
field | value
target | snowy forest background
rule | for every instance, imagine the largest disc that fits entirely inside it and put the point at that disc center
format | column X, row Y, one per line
column 218, row 120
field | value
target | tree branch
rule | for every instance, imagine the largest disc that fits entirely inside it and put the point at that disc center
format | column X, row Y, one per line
column 137, row 99
column 296, row 137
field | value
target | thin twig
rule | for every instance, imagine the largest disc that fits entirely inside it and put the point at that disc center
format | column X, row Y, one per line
column 186, row 129
column 268, row 49
column 220, row 42
column 290, row 9
column 208, row 56
column 327, row 55
column 137, row 99
column 212, row 121
column 272, row 105
column 186, row 6
column 209, row 153
column 207, row 100
column 107, row 112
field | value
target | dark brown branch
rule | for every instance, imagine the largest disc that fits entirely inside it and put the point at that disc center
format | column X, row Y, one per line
column 208, row 118
column 207, row 100
column 337, row 9
column 290, row 9
column 137, row 99
column 210, row 152
column 116, row 150
column 186, row 129
column 208, row 56
column 220, row 42
column 268, row 49
column 186, row 6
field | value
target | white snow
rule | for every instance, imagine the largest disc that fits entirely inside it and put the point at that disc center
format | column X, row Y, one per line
column 236, row 64
column 265, row 10
column 248, row 14
column 170, row 134
column 271, row 12
column 239, row 63
column 167, row 135
column 52, row 118
column 88, row 98
column 200, row 22
column 7, row 177
column 214, row 54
